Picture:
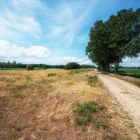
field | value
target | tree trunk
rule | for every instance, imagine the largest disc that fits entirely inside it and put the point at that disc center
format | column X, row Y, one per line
column 108, row 68
column 116, row 67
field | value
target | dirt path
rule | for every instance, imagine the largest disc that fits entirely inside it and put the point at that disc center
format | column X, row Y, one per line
column 127, row 94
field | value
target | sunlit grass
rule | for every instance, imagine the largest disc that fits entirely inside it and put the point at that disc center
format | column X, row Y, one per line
column 42, row 103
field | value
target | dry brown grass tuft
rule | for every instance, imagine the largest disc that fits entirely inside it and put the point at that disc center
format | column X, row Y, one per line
column 130, row 79
column 39, row 105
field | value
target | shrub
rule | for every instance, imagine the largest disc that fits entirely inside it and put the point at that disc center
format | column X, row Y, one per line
column 92, row 80
column 72, row 65
column 52, row 74
column 87, row 66
column 30, row 67
column 89, row 112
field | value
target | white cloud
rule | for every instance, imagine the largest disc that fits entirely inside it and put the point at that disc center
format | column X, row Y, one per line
column 33, row 3
column 11, row 24
column 65, row 59
column 79, row 60
column 18, row 20
column 27, row 54
column 58, row 25
column 66, row 20
column 27, row 6
column 35, row 54
column 134, row 62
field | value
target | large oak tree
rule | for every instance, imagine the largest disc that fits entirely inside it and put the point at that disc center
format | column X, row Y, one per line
column 115, row 39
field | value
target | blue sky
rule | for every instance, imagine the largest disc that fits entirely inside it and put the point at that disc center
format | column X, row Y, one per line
column 53, row 31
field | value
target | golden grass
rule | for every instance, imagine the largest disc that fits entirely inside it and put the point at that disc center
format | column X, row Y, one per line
column 130, row 79
column 40, row 104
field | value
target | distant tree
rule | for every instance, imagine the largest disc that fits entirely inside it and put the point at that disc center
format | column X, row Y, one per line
column 72, row 65
column 30, row 67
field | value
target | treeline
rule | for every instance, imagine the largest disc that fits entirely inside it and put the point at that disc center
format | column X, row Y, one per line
column 114, row 39
column 14, row 64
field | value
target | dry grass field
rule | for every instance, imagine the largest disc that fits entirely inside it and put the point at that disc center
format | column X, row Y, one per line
column 44, row 105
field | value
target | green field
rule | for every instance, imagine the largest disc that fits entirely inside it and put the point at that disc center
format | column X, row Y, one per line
column 134, row 72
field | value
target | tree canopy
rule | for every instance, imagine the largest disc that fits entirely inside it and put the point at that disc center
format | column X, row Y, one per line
column 114, row 39
column 72, row 65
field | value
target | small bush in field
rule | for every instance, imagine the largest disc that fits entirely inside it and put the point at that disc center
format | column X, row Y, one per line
column 30, row 67
column 92, row 80
column 72, row 65
column 52, row 75
column 88, row 112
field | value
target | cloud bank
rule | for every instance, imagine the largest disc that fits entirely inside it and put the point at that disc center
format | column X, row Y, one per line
column 13, row 52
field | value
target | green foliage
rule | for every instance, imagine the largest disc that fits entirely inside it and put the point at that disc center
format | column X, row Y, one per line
column 11, row 65
column 19, row 66
column 87, row 113
column 134, row 72
column 72, row 65
column 97, row 49
column 39, row 68
column 124, row 34
column 87, row 66
column 30, row 67
column 79, row 71
column 52, row 74
column 114, row 39
column 92, row 80
column 12, row 68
